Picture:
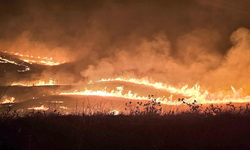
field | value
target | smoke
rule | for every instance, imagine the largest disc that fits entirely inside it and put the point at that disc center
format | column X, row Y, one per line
column 197, row 60
column 195, row 57
column 235, row 66
column 169, row 41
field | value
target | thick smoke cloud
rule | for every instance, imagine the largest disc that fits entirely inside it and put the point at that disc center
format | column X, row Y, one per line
column 183, row 41
column 235, row 67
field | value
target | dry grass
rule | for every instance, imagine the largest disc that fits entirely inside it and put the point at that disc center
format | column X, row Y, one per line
column 140, row 126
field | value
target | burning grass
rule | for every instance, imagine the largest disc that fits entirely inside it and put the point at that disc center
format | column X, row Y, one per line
column 33, row 59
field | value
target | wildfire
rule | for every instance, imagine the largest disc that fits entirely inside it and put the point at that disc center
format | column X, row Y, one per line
column 48, row 61
column 35, row 83
column 185, row 91
column 119, row 93
column 194, row 93
column 40, row 108
column 8, row 100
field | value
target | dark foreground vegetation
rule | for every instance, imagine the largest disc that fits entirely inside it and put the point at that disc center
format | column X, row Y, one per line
column 144, row 130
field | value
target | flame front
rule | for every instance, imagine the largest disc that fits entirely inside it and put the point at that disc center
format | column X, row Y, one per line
column 119, row 93
column 104, row 92
column 35, row 83
column 202, row 96
column 194, row 93
column 195, row 90
column 48, row 61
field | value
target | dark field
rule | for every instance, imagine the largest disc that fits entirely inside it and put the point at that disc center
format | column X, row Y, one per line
column 149, row 131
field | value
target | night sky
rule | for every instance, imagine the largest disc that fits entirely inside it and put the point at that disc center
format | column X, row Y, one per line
column 173, row 41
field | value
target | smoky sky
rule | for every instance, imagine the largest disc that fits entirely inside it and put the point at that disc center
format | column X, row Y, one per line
column 175, row 41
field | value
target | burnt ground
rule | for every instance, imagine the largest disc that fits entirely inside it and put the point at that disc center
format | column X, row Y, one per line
column 183, row 131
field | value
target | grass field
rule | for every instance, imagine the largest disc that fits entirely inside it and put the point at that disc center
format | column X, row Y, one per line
column 145, row 130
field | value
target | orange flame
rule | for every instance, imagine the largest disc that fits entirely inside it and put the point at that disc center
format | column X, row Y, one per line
column 193, row 93
column 40, row 108
column 35, row 83
column 8, row 100
column 114, row 112
column 119, row 93
column 63, row 107
column 48, row 61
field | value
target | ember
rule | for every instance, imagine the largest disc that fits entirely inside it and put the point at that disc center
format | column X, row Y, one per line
column 40, row 108
column 8, row 100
